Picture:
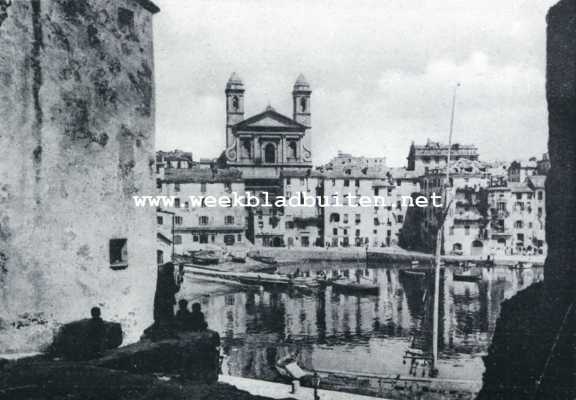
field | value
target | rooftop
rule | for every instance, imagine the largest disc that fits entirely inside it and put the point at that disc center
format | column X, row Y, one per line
column 199, row 174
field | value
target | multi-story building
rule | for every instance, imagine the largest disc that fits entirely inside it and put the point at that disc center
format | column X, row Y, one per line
column 464, row 214
column 517, row 214
column 201, row 215
column 434, row 155
column 76, row 144
column 303, row 224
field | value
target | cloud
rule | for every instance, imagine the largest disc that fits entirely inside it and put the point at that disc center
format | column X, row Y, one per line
column 382, row 71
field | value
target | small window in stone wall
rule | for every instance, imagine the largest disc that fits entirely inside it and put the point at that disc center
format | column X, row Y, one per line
column 118, row 249
column 126, row 21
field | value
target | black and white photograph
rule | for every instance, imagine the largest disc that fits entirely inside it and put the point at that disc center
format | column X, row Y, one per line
column 287, row 199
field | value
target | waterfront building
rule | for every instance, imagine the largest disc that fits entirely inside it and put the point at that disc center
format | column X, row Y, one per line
column 517, row 217
column 303, row 225
column 76, row 143
column 465, row 214
column 199, row 220
column 434, row 155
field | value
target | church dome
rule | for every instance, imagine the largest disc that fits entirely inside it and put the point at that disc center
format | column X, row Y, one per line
column 235, row 82
column 301, row 83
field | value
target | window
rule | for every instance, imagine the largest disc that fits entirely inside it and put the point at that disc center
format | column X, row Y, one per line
column 203, row 187
column 229, row 220
column 177, row 239
column 357, row 219
column 126, row 20
column 345, row 219
column 540, row 211
column 159, row 257
column 519, row 196
column 159, row 220
column 229, row 240
column 540, row 195
column 288, row 181
column 177, row 202
column 357, row 232
column 289, row 224
column 376, row 222
column 235, row 103
column 520, row 237
column 400, row 219
column 357, row 182
column 118, row 252
column 227, row 187
column 335, row 231
column 334, row 217
column 239, row 237
column 178, row 220
column 375, row 191
column 203, row 220
column 518, row 225
column 467, row 230
column 176, row 187
column 203, row 238
column 346, row 182
column 195, row 238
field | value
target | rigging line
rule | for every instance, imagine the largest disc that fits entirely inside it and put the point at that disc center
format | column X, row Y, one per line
column 552, row 350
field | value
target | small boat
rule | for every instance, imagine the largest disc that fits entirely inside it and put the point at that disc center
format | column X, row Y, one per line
column 289, row 369
column 205, row 258
column 415, row 274
column 345, row 285
column 522, row 265
column 467, row 277
column 264, row 259
column 238, row 259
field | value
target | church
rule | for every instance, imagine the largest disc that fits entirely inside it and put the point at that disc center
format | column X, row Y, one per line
column 273, row 153
column 264, row 145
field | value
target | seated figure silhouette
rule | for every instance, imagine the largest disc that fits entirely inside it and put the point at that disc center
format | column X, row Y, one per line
column 197, row 321
column 190, row 321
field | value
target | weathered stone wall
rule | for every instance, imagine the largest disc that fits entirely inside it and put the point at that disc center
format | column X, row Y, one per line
column 560, row 273
column 76, row 142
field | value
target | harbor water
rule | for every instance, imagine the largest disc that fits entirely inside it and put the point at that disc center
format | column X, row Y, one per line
column 357, row 333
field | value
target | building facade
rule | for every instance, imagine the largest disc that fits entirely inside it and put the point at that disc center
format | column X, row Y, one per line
column 77, row 106
column 434, row 155
column 199, row 217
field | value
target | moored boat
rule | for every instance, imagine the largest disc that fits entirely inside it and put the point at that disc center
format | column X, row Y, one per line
column 205, row 258
column 467, row 277
column 346, row 285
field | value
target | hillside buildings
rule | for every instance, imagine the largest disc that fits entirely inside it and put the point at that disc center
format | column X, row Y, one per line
column 76, row 143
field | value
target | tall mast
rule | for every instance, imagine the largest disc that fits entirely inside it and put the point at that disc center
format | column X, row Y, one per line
column 439, row 237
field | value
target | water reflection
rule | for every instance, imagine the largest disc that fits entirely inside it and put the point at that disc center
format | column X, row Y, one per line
column 355, row 332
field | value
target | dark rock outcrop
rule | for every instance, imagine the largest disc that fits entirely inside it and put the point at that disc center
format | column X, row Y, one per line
column 193, row 356
column 533, row 351
column 85, row 339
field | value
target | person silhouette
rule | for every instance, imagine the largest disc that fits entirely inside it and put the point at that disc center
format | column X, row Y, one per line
column 197, row 320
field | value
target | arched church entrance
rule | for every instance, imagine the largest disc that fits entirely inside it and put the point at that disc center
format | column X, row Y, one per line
column 270, row 153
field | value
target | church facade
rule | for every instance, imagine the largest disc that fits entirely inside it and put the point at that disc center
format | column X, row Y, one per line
column 264, row 145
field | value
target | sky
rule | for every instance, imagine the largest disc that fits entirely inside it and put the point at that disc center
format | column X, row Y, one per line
column 382, row 72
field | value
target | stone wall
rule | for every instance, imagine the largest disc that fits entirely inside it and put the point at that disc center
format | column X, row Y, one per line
column 76, row 142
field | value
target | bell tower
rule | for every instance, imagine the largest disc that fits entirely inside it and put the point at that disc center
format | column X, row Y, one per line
column 301, row 112
column 234, row 105
column 301, row 101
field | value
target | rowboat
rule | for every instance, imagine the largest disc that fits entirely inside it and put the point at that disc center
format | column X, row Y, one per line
column 253, row 278
column 205, row 259
column 466, row 277
column 345, row 285
column 414, row 274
